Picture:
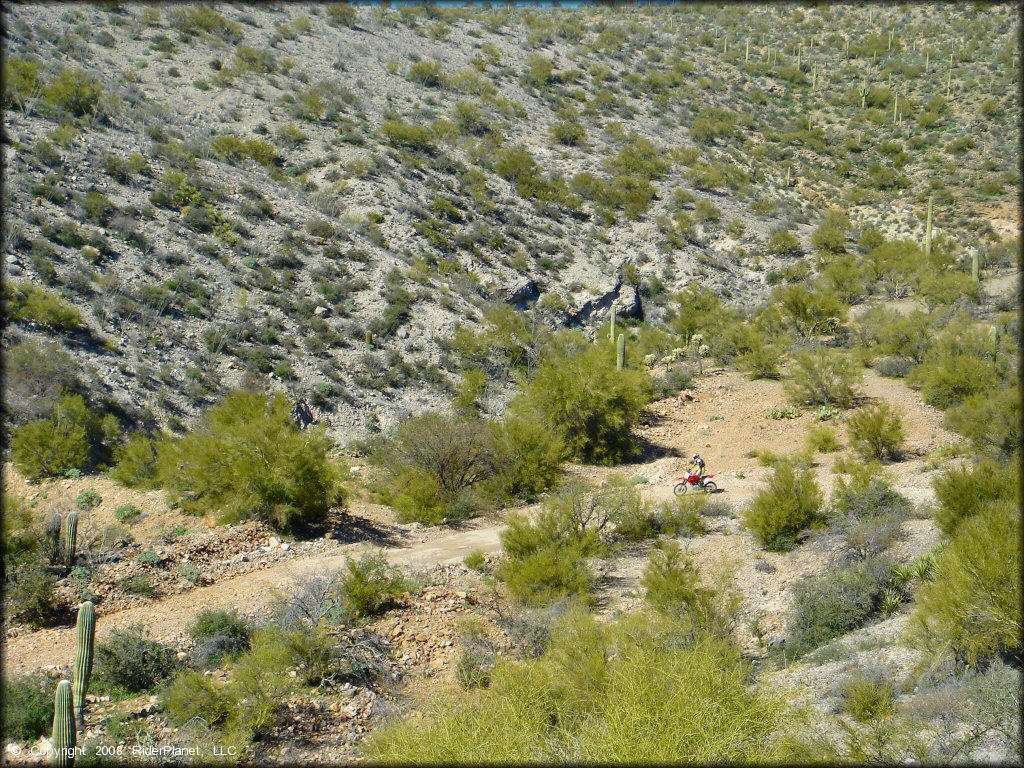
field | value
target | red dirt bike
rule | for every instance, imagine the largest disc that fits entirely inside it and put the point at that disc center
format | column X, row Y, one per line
column 694, row 481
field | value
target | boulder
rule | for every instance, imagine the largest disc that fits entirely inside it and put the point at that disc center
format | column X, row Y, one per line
column 522, row 292
column 628, row 302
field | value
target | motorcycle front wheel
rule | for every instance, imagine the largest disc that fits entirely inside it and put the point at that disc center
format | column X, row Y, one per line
column 680, row 489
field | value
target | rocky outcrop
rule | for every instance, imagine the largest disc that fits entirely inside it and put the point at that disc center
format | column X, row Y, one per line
column 625, row 299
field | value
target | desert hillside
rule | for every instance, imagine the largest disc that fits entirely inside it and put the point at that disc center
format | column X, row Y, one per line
column 401, row 383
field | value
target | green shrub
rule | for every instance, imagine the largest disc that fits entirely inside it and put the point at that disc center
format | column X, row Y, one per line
column 342, row 14
column 866, row 698
column 248, row 459
column 672, row 583
column 74, row 91
column 822, row 438
column 990, row 421
column 588, row 403
column 831, row 604
column 545, row 557
column 71, row 439
column 972, row 606
column 539, row 71
column 29, row 302
column 475, row 560
column 625, row 694
column 88, row 499
column 129, row 660
column 218, row 633
column 260, row 680
column 28, row 706
column 415, row 137
column 193, row 694
column 789, row 504
column 876, row 432
column 963, row 492
column 529, row 455
column 30, row 595
column 135, row 462
column 570, row 133
column 783, row 243
column 868, row 513
column 822, row 377
column 36, row 374
column 234, row 149
column 370, row 585
column 192, row 20
column 428, row 73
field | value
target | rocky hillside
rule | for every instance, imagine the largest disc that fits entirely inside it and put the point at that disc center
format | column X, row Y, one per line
column 201, row 195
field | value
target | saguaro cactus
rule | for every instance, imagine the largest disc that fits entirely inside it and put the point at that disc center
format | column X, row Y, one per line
column 620, row 351
column 85, row 634
column 976, row 266
column 611, row 329
column 746, row 53
column 63, row 738
column 52, row 538
column 70, row 534
column 928, row 229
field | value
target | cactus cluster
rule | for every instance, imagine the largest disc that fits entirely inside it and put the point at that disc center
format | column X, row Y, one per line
column 69, row 700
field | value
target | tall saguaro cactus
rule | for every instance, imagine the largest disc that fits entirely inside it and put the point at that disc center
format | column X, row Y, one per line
column 611, row 330
column 70, row 535
column 976, row 266
column 85, row 634
column 620, row 352
column 63, row 737
column 51, row 538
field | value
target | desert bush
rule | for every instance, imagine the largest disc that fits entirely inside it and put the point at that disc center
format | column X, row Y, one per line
column 672, row 583
column 588, row 403
column 789, row 504
column 822, row 438
column 991, row 421
column 28, row 706
column 193, row 20
column 428, row 73
column 248, row 459
column 74, row 91
column 530, row 455
column 32, row 303
column 129, row 660
column 36, row 375
column 832, row 604
column 341, row 14
column 545, row 557
column 783, row 243
column 964, row 492
column 830, row 235
column 370, row 585
column 867, row 697
column 876, row 432
column 193, row 694
column 260, row 678
column 822, row 377
column 216, row 634
column 972, row 606
column 808, row 311
column 868, row 513
column 415, row 137
column 598, row 686
column 135, row 462
column 951, row 372
column 30, row 595
column 234, row 149
column 72, row 438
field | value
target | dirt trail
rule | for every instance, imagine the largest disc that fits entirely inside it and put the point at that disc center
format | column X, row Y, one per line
column 249, row 593
column 723, row 420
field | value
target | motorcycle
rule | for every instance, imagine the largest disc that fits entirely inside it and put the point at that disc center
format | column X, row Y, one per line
column 694, row 480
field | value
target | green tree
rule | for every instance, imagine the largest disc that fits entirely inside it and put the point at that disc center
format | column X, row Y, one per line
column 248, row 459
column 587, row 402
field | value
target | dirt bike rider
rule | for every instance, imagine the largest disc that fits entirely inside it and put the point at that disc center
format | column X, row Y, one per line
column 696, row 467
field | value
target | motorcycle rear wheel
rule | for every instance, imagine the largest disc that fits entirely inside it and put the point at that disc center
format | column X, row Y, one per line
column 710, row 487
